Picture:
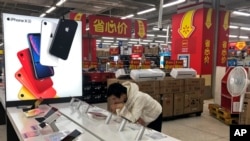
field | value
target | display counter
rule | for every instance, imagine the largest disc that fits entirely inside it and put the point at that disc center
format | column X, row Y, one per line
column 90, row 120
column 25, row 127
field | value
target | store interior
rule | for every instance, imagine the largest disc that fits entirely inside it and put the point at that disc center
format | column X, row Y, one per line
column 194, row 89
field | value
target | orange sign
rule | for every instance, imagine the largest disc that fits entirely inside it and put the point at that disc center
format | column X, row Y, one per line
column 140, row 29
column 241, row 45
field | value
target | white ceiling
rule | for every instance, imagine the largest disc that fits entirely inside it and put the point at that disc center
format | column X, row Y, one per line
column 122, row 8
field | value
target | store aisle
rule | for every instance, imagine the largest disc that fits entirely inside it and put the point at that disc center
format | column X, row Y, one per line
column 196, row 128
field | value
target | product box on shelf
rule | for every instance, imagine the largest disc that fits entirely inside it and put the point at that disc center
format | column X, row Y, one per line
column 171, row 85
column 150, row 87
column 167, row 105
column 194, row 84
column 178, row 104
column 193, row 102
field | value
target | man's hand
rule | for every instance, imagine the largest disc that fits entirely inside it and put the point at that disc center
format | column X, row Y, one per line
column 141, row 121
column 113, row 107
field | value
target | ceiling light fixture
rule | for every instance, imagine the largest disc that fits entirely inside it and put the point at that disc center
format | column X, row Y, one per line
column 233, row 36
column 122, row 39
column 51, row 9
column 150, row 35
column 243, row 37
column 60, row 2
column 128, row 16
column 173, row 3
column 241, row 13
column 42, row 15
column 1, row 44
column 245, row 28
column 111, row 38
column 146, row 11
column 157, row 29
column 233, row 27
column 161, row 36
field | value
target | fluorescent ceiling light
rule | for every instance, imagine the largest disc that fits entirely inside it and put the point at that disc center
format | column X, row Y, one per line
column 134, row 39
column 132, row 42
column 146, row 11
column 111, row 38
column 241, row 13
column 143, row 43
column 60, row 2
column 173, row 3
column 1, row 44
column 42, row 15
column 233, row 36
column 115, row 44
column 87, row 28
column 234, row 27
column 108, row 41
column 245, row 28
column 170, row 42
column 157, row 29
column 147, row 40
column 51, row 9
column 162, row 36
column 123, row 39
column 159, row 41
column 150, row 35
column 98, row 40
column 243, row 37
column 128, row 16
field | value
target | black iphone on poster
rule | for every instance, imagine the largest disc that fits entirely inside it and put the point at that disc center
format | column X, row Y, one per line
column 40, row 70
column 63, row 38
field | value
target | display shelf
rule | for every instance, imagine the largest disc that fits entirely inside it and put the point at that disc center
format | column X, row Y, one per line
column 24, row 126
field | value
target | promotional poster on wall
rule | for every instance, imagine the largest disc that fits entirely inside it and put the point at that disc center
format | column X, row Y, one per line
column 43, row 57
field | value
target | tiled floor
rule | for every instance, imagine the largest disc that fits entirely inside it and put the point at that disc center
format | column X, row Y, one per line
column 195, row 128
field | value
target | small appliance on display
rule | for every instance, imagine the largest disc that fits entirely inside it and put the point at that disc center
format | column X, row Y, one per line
column 147, row 74
column 183, row 73
column 122, row 73
column 237, row 83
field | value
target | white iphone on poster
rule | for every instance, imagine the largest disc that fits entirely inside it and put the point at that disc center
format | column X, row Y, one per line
column 47, row 33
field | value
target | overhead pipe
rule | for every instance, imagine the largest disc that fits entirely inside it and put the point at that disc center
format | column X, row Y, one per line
column 160, row 15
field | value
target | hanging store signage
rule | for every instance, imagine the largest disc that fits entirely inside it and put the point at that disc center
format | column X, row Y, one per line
column 114, row 51
column 241, row 45
column 222, row 51
column 137, row 49
column 109, row 26
column 141, row 29
column 79, row 17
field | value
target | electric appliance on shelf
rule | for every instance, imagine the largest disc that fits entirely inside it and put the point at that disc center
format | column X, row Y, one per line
column 237, row 83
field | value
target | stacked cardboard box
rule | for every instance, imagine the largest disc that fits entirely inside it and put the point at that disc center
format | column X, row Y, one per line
column 172, row 90
column 244, row 116
column 193, row 98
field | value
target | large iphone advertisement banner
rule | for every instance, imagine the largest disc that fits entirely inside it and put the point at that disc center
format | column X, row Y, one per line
column 42, row 57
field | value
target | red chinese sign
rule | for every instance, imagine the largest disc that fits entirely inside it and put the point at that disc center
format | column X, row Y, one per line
column 223, row 38
column 109, row 26
column 137, row 49
column 114, row 51
column 140, row 29
column 79, row 17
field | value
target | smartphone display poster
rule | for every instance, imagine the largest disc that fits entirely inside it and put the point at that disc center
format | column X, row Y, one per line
column 32, row 69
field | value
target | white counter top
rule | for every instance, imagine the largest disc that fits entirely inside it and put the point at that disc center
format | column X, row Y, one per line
column 108, row 132
column 23, row 125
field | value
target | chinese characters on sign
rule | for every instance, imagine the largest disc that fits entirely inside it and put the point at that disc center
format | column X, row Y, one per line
column 224, row 52
column 207, row 51
column 109, row 26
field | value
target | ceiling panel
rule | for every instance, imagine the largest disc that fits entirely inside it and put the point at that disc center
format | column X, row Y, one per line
column 119, row 8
